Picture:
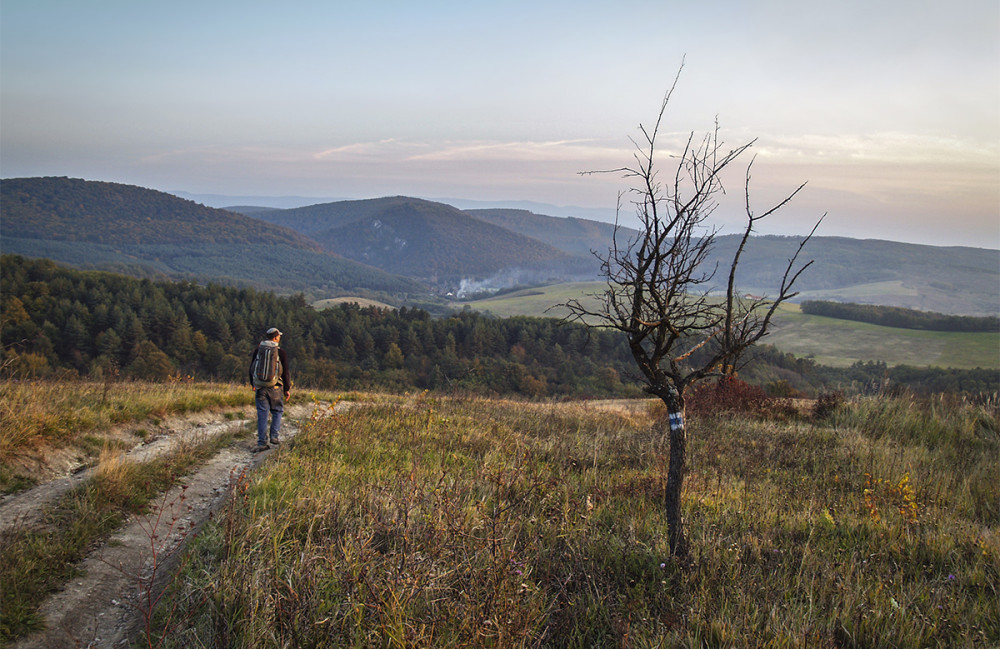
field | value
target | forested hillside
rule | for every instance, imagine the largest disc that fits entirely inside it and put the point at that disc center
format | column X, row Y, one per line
column 575, row 236
column 424, row 239
column 93, row 323
column 70, row 209
column 55, row 320
column 146, row 233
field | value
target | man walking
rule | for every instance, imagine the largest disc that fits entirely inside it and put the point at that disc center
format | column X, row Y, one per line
column 271, row 383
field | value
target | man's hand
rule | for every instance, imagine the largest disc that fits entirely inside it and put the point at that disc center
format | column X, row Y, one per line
column 287, row 394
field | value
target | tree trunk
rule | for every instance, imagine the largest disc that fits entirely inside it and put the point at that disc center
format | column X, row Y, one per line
column 675, row 478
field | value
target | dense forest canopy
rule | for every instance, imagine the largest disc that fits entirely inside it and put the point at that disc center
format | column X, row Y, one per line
column 93, row 323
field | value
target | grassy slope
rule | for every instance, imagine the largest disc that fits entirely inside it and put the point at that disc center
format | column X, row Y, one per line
column 841, row 342
column 830, row 341
column 45, row 419
column 536, row 302
column 363, row 302
column 475, row 522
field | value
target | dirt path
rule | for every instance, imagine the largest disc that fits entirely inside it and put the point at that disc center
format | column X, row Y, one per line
column 28, row 506
column 104, row 606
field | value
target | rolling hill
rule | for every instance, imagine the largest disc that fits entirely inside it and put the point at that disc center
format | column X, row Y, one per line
column 144, row 232
column 572, row 235
column 400, row 246
column 424, row 239
column 959, row 280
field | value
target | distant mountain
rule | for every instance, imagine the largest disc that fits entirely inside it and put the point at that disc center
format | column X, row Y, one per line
column 600, row 214
column 419, row 238
column 70, row 209
column 150, row 233
column 959, row 280
column 225, row 201
column 569, row 234
column 368, row 247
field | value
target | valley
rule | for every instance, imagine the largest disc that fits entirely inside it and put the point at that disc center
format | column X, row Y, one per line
column 828, row 341
column 474, row 455
column 405, row 251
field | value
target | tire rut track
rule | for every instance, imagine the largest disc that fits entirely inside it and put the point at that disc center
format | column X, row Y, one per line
column 103, row 607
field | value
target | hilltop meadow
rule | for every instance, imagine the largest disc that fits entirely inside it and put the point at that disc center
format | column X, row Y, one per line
column 442, row 522
column 450, row 520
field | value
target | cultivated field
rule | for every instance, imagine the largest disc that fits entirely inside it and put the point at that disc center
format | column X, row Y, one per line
column 832, row 342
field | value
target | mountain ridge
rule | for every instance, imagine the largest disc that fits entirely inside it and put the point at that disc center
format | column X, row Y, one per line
column 405, row 246
column 72, row 209
column 126, row 228
column 417, row 238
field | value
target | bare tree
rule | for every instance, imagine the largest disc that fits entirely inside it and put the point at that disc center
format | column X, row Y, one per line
column 660, row 287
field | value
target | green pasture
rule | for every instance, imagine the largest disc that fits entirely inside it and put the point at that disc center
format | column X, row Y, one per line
column 833, row 342
column 839, row 343
column 538, row 301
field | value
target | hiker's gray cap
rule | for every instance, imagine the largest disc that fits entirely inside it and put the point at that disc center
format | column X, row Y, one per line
column 272, row 331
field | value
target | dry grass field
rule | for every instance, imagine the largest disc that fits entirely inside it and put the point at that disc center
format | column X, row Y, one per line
column 485, row 522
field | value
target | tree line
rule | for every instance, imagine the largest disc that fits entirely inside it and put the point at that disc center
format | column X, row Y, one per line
column 87, row 323
column 892, row 316
column 57, row 321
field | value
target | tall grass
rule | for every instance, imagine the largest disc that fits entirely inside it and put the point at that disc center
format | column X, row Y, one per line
column 39, row 416
column 476, row 522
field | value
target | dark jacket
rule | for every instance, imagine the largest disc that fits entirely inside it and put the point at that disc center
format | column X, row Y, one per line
column 285, row 382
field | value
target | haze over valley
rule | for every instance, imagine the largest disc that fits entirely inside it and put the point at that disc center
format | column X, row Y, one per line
column 411, row 250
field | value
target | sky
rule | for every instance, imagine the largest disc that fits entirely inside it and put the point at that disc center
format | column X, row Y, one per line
column 889, row 110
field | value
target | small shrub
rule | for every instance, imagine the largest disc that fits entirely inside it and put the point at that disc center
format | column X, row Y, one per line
column 826, row 404
column 728, row 394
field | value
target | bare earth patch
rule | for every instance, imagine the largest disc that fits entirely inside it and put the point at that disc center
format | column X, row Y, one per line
column 104, row 605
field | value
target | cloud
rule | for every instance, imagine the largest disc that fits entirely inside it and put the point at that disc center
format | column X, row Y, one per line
column 887, row 147
column 529, row 151
column 360, row 150
column 471, row 151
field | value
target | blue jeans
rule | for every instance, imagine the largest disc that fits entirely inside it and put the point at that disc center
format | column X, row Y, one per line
column 269, row 400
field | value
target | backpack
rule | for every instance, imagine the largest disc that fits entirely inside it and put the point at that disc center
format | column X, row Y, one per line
column 266, row 367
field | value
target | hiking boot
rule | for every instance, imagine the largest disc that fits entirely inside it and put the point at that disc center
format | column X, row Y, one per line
column 261, row 447
column 274, row 440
